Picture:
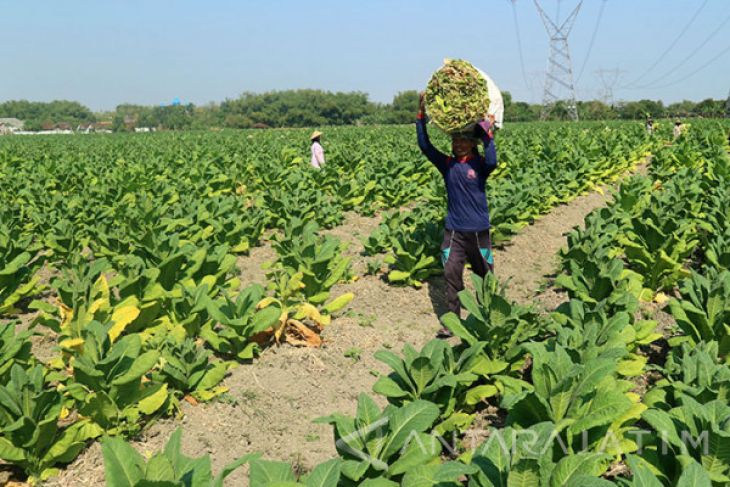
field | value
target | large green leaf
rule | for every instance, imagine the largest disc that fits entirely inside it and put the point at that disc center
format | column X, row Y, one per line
column 123, row 465
column 412, row 418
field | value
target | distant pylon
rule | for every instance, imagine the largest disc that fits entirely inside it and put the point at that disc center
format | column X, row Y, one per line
column 609, row 78
column 559, row 77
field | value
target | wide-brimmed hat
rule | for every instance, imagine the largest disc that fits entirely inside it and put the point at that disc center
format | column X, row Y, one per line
column 315, row 135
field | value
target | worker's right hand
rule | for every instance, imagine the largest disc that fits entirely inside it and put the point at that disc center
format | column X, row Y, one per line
column 421, row 103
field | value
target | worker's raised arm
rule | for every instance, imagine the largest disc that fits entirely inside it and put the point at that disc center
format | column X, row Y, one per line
column 438, row 158
column 485, row 134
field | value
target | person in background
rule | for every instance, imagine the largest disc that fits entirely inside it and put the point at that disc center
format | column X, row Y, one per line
column 650, row 125
column 465, row 173
column 677, row 128
column 317, row 150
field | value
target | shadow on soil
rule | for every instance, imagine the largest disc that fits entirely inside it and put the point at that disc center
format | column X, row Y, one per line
column 437, row 294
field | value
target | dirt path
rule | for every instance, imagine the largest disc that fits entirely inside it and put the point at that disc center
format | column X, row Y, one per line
column 272, row 401
column 530, row 260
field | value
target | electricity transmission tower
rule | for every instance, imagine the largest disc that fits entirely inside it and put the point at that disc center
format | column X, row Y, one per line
column 559, row 86
column 609, row 78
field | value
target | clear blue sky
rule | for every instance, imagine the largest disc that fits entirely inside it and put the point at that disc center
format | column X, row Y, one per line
column 103, row 53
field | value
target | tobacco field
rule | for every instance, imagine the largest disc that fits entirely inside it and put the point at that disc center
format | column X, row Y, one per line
column 123, row 250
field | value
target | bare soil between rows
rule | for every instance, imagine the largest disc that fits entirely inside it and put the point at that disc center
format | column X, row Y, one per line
column 271, row 402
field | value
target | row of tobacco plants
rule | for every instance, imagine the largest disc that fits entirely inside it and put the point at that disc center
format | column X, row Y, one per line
column 597, row 393
column 563, row 164
column 124, row 250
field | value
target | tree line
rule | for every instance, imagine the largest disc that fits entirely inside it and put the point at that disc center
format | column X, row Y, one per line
column 307, row 108
column 47, row 115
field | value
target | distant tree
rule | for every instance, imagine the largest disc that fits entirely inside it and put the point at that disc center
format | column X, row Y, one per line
column 521, row 112
column 681, row 109
column 171, row 117
column 297, row 108
column 33, row 125
column 595, row 110
column 37, row 114
column 636, row 110
column 507, row 100
column 709, row 108
column 406, row 101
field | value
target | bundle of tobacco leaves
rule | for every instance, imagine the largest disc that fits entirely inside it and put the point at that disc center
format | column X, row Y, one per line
column 457, row 96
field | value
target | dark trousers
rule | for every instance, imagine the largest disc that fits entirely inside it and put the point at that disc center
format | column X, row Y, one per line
column 457, row 249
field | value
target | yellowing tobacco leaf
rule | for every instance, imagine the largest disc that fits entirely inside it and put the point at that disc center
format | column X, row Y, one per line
column 121, row 318
column 308, row 311
column 338, row 303
column 152, row 403
column 67, row 315
column 268, row 301
column 72, row 343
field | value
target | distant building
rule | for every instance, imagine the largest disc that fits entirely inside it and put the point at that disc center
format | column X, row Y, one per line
column 10, row 125
column 103, row 127
column 97, row 127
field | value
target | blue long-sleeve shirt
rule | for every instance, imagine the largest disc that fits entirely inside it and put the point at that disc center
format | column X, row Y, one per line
column 465, row 180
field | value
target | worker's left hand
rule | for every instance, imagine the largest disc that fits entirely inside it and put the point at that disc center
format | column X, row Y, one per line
column 483, row 128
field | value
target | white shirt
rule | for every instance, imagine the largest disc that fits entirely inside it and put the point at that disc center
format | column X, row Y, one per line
column 317, row 155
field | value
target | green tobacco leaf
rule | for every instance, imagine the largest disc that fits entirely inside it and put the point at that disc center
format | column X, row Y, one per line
column 325, row 474
column 123, row 465
column 694, row 476
column 385, row 386
column 10, row 453
column 642, row 475
column 526, row 473
column 264, row 472
column 141, row 366
column 420, row 449
column 159, row 469
column 399, row 276
column 215, row 374
column 379, row 482
column 421, row 372
column 573, row 466
column 477, row 394
column 444, row 474
column 412, row 418
column 231, row 467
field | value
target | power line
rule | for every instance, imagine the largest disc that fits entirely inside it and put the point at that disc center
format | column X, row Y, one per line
column 690, row 56
column 593, row 39
column 693, row 73
column 519, row 42
column 671, row 46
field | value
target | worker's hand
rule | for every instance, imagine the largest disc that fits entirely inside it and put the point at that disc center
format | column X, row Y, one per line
column 421, row 104
column 483, row 128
